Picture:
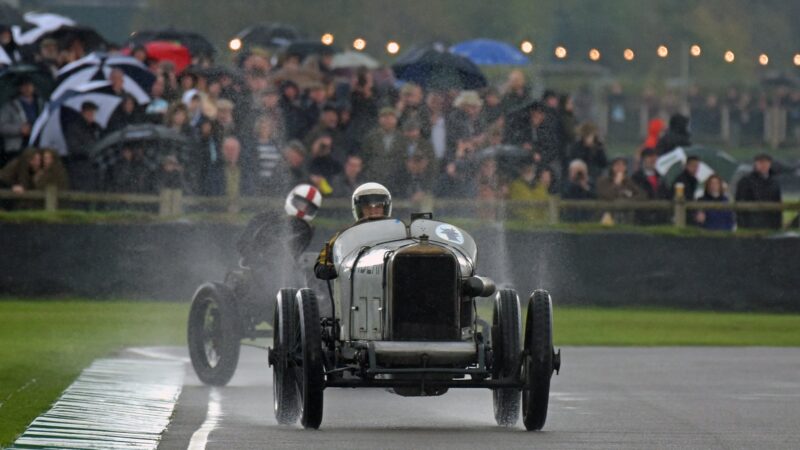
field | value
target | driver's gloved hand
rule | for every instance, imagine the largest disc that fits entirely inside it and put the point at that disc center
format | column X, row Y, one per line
column 325, row 272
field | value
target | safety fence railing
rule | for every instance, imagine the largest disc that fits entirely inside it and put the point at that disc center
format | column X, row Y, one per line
column 554, row 210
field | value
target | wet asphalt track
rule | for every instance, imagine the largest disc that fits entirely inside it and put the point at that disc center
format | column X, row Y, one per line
column 604, row 398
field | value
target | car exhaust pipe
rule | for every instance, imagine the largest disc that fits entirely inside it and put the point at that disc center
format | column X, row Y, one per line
column 477, row 287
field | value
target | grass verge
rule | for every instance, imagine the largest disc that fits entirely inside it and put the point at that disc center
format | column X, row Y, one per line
column 45, row 344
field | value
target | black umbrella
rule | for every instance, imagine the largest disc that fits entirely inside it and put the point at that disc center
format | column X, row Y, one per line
column 65, row 36
column 197, row 44
column 306, row 48
column 155, row 141
column 41, row 77
column 435, row 67
column 269, row 35
column 10, row 16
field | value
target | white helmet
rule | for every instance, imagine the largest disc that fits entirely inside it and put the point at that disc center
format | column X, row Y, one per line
column 371, row 194
column 303, row 202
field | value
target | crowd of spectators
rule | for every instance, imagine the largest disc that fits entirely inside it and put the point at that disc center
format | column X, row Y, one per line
column 339, row 130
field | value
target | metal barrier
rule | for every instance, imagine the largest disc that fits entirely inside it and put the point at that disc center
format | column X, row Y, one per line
column 172, row 203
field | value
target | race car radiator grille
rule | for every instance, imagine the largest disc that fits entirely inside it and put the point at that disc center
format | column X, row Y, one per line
column 425, row 302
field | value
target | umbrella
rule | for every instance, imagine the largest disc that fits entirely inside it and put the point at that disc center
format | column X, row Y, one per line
column 40, row 76
column 488, row 52
column 174, row 52
column 352, row 60
column 269, row 35
column 303, row 49
column 48, row 130
column 98, row 66
column 38, row 25
column 197, row 44
column 435, row 67
column 301, row 76
column 10, row 16
column 156, row 141
column 712, row 161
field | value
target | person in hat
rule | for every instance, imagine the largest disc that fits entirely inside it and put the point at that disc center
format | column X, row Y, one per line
column 617, row 185
column 466, row 121
column 17, row 117
column 589, row 149
column 383, row 149
column 760, row 186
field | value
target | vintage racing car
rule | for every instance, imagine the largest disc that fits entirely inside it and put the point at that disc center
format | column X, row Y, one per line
column 403, row 316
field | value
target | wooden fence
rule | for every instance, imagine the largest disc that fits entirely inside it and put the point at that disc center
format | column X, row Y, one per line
column 172, row 202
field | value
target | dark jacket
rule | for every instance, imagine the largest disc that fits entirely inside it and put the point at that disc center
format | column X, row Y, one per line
column 717, row 219
column 546, row 139
column 594, row 157
column 660, row 192
column 755, row 188
column 574, row 191
column 689, row 185
column 676, row 136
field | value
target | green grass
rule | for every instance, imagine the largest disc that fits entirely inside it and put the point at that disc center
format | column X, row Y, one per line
column 45, row 344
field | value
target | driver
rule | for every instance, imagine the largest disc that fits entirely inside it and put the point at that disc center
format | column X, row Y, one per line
column 371, row 201
column 268, row 233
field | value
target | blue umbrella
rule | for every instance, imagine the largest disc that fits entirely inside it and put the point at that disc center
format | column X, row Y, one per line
column 488, row 52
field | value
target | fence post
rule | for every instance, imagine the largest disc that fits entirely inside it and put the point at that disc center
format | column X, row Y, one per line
column 177, row 202
column 164, row 202
column 51, row 198
column 553, row 209
column 679, row 208
column 232, row 187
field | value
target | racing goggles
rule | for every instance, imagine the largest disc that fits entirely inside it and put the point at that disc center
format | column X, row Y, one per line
column 303, row 204
column 372, row 200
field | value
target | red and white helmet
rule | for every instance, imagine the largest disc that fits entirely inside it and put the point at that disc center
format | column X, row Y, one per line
column 303, row 202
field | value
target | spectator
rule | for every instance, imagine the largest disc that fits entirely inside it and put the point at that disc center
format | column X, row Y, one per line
column 760, row 186
column 351, row 177
column 34, row 170
column 383, row 149
column 466, row 121
column 16, row 119
column 263, row 158
column 676, row 136
column 364, row 106
column 434, row 125
column 291, row 170
column 577, row 187
column 715, row 219
column 492, row 108
column 129, row 174
column 489, row 189
column 315, row 100
column 231, row 151
column 171, row 175
column 410, row 103
column 156, row 110
column 530, row 186
column 689, row 179
column 415, row 182
column 654, row 129
column 322, row 163
column 515, row 104
column 618, row 186
column 457, row 178
column 329, row 125
column 589, row 149
column 415, row 144
column 545, row 138
column 208, row 166
column 178, row 120
column 652, row 184
column 293, row 116
column 80, row 135
column 127, row 113
column 225, row 118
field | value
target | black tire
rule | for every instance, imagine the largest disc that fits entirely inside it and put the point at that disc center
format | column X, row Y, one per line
column 506, row 349
column 214, row 334
column 310, row 375
column 538, row 364
column 286, row 400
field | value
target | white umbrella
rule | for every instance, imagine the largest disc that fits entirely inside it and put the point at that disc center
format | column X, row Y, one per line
column 43, row 23
column 352, row 60
column 98, row 66
column 48, row 130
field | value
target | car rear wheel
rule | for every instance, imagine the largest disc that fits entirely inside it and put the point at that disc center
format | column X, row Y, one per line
column 309, row 367
column 506, row 333
column 538, row 364
column 214, row 334
column 286, row 400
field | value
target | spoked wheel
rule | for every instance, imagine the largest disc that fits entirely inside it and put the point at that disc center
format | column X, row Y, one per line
column 284, row 384
column 214, row 334
column 506, row 333
column 539, row 362
column 309, row 368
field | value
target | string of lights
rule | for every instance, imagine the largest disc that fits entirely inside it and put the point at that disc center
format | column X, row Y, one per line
column 560, row 51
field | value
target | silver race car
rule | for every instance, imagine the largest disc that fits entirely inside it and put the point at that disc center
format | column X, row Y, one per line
column 403, row 316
